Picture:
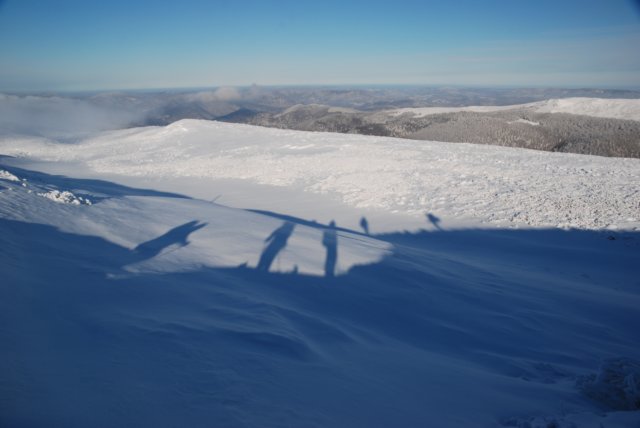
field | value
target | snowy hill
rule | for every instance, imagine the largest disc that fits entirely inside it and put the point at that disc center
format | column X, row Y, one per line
column 593, row 126
column 183, row 276
column 453, row 181
column 628, row 109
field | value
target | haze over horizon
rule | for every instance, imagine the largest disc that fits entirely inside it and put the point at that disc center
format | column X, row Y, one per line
column 89, row 45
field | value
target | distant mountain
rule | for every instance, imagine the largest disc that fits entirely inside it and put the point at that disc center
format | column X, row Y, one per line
column 163, row 107
column 242, row 115
column 594, row 125
column 577, row 125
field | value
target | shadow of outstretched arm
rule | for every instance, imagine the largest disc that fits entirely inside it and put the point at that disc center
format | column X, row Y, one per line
column 177, row 236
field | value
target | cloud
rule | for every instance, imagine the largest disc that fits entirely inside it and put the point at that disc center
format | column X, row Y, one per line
column 227, row 93
column 223, row 93
column 56, row 116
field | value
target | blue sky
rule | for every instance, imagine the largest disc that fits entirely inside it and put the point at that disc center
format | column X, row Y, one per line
column 78, row 45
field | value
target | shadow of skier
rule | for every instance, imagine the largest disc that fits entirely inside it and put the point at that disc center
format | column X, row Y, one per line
column 434, row 220
column 364, row 224
column 277, row 241
column 330, row 242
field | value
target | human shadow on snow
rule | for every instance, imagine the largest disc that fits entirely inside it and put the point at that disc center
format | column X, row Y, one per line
column 447, row 265
column 275, row 243
column 465, row 295
column 177, row 236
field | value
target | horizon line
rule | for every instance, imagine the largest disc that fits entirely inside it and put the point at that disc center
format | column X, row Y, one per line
column 631, row 88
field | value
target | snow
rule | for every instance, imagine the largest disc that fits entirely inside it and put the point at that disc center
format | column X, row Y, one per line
column 111, row 219
column 486, row 184
column 145, row 308
column 617, row 385
column 65, row 197
column 628, row 109
column 526, row 122
column 6, row 175
column 427, row 111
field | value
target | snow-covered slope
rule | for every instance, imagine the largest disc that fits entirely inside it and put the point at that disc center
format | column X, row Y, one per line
column 134, row 218
column 597, row 107
column 125, row 305
column 628, row 109
column 481, row 183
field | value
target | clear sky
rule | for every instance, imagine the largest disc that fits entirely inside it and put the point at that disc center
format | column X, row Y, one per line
column 114, row 44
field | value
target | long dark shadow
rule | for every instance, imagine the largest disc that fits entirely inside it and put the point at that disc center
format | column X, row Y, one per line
column 276, row 242
column 364, row 224
column 434, row 220
column 177, row 236
column 301, row 221
column 330, row 242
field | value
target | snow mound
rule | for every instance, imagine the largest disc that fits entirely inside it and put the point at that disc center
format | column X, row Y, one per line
column 65, row 197
column 617, row 385
column 6, row 175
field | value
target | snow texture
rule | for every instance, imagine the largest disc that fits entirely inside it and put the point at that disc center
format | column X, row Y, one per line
column 65, row 197
column 500, row 186
column 617, row 384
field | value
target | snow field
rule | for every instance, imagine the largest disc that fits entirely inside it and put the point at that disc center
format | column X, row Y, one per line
column 493, row 185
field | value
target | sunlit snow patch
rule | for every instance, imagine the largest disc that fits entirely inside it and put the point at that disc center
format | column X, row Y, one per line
column 6, row 175
column 65, row 197
column 525, row 121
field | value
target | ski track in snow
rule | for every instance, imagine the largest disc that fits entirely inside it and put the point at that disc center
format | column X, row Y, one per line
column 497, row 185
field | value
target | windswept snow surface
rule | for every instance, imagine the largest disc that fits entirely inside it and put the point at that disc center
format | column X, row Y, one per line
column 501, row 186
column 146, row 308
column 628, row 109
